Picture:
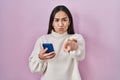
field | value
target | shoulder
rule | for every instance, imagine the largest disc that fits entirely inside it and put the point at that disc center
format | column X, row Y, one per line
column 42, row 38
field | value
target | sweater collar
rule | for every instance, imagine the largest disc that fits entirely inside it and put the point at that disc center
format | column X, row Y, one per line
column 58, row 35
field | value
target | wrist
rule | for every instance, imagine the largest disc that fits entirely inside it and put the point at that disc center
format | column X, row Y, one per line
column 72, row 40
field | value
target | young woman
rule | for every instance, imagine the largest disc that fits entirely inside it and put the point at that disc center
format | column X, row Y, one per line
column 69, row 48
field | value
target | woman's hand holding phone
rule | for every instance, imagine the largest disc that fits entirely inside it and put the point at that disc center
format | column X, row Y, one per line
column 47, row 52
column 44, row 56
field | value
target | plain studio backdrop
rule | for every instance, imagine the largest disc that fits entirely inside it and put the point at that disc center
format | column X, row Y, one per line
column 23, row 21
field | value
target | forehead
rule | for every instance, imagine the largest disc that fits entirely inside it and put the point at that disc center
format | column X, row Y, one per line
column 60, row 14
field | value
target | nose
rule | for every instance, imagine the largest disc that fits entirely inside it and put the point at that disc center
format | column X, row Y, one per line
column 60, row 23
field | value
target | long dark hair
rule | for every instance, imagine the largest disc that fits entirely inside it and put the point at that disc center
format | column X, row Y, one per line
column 57, row 9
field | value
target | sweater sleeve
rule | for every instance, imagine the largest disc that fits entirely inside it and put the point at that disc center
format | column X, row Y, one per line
column 78, row 54
column 36, row 65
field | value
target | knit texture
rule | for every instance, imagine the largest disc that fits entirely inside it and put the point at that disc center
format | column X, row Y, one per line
column 64, row 66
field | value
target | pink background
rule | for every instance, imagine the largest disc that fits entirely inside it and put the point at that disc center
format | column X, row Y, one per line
column 23, row 21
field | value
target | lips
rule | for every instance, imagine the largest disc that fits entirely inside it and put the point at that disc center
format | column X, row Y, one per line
column 61, row 29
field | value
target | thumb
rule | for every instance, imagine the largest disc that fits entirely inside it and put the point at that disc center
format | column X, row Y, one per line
column 44, row 51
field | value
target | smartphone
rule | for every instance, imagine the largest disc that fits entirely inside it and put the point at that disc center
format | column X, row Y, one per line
column 49, row 46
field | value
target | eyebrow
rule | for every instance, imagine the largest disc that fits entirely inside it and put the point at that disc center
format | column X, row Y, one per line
column 62, row 18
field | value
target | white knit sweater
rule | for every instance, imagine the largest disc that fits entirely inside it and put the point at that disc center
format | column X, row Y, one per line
column 64, row 66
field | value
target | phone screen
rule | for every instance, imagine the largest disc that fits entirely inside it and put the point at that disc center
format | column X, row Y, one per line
column 49, row 46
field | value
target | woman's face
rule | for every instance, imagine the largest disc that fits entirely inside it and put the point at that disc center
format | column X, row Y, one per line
column 61, row 22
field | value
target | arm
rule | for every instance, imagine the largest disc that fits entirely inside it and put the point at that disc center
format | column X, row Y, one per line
column 35, row 63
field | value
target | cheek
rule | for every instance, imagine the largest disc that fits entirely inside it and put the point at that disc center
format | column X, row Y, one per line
column 53, row 25
column 67, row 28
column 67, row 25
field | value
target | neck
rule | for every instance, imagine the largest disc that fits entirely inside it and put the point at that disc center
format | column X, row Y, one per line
column 58, row 34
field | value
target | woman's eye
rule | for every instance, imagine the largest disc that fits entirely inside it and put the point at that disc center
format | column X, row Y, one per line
column 56, row 20
column 64, row 20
